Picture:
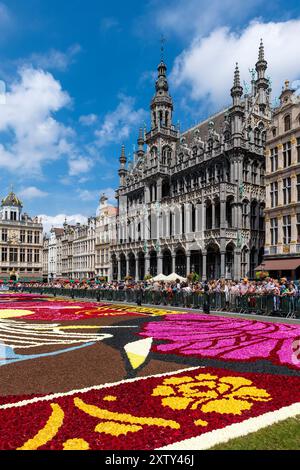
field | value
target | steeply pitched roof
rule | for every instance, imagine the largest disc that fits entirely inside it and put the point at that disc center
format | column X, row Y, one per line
column 202, row 127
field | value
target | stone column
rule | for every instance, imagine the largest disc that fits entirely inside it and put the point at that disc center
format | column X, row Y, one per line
column 147, row 265
column 188, row 263
column 237, row 265
column 159, row 190
column 137, row 277
column 188, row 217
column 173, row 263
column 213, row 215
column 127, row 266
column 159, row 264
column 222, row 214
column 147, row 194
column 204, row 266
column 119, row 269
column 280, row 231
column 222, row 273
column 294, row 234
column 294, row 190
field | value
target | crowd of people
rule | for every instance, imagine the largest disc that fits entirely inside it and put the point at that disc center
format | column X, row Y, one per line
column 281, row 287
column 267, row 295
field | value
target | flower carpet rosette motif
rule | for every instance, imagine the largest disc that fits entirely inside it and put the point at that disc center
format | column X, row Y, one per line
column 224, row 338
column 225, row 395
column 145, row 413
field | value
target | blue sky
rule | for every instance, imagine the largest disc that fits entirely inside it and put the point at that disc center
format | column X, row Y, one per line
column 80, row 75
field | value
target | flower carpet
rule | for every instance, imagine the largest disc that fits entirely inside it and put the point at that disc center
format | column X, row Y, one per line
column 85, row 375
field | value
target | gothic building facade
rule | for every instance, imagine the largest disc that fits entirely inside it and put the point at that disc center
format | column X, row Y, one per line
column 194, row 201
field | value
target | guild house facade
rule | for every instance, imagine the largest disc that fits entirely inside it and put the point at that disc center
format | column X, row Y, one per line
column 282, row 214
column 21, row 242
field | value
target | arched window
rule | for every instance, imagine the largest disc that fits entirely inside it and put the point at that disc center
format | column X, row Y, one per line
column 166, row 155
column 256, row 136
column 153, row 155
column 287, row 123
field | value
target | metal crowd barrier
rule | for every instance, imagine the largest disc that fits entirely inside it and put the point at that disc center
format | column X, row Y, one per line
column 267, row 305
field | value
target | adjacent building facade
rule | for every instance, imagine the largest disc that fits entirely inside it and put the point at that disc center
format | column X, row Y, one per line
column 21, row 242
column 194, row 201
column 282, row 213
column 71, row 251
column 105, row 237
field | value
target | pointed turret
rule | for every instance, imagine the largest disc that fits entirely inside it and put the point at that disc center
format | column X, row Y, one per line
column 237, row 89
column 236, row 111
column 262, row 83
column 141, row 143
column 122, row 170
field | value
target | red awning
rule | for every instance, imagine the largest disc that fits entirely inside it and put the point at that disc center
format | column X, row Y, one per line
column 285, row 264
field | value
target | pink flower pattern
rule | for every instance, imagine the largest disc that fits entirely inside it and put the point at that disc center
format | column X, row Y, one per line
column 231, row 339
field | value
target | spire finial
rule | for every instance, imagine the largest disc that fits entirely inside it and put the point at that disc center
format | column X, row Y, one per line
column 261, row 55
column 123, row 158
column 237, row 78
column 162, row 47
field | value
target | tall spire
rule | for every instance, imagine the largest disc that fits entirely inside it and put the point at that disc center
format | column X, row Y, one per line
column 262, row 83
column 237, row 78
column 123, row 158
column 261, row 55
column 261, row 64
column 122, row 169
column 237, row 89
column 141, row 143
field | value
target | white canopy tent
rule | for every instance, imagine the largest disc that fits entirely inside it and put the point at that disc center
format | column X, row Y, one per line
column 160, row 277
column 174, row 277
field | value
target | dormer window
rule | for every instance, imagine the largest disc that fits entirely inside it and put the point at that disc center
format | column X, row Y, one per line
column 287, row 123
column 274, row 132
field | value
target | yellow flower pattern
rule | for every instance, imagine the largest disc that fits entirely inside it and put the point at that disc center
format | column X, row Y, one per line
column 209, row 393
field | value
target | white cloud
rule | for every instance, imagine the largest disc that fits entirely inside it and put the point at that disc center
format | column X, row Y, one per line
column 187, row 18
column 206, row 67
column 30, row 134
column 119, row 123
column 53, row 59
column 57, row 221
column 80, row 165
column 32, row 193
column 94, row 195
column 88, row 120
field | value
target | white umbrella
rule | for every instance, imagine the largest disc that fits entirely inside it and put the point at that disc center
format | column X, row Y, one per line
column 174, row 277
